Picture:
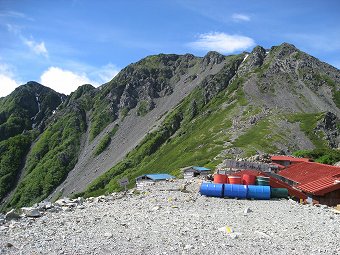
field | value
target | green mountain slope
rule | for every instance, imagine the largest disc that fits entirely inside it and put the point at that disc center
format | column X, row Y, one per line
column 56, row 151
column 23, row 115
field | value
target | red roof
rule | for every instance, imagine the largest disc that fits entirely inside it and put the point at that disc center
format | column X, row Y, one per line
column 250, row 172
column 313, row 178
column 309, row 171
column 322, row 186
column 289, row 158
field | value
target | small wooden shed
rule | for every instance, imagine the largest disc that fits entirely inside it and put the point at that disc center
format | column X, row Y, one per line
column 194, row 171
column 149, row 179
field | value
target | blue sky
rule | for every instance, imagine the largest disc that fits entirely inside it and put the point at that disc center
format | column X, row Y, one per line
column 63, row 44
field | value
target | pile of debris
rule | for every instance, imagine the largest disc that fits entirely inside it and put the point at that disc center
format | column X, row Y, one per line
column 39, row 209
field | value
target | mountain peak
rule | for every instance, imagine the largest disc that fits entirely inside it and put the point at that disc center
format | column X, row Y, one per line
column 213, row 57
column 284, row 50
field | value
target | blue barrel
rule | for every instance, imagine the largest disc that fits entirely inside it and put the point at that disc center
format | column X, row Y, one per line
column 211, row 189
column 258, row 192
column 235, row 190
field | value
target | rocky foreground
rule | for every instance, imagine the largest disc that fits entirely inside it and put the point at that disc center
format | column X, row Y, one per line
column 168, row 219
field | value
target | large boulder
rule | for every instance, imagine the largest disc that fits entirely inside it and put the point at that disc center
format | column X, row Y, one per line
column 31, row 212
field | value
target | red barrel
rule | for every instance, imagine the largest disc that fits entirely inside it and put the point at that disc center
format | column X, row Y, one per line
column 234, row 179
column 248, row 179
column 220, row 178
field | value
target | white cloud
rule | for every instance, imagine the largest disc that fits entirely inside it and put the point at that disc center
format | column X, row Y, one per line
column 59, row 79
column 37, row 48
column 14, row 14
column 7, row 81
column 240, row 17
column 67, row 81
column 105, row 73
column 222, row 42
column 7, row 85
column 64, row 81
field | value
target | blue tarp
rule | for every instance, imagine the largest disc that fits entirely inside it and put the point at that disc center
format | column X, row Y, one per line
column 200, row 168
column 157, row 177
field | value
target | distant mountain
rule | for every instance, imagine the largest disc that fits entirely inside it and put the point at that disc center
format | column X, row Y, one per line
column 28, row 106
column 169, row 111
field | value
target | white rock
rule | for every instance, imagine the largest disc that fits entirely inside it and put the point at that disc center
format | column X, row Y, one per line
column 66, row 209
column 2, row 228
column 61, row 201
column 108, row 234
column 155, row 208
column 188, row 247
column 80, row 200
column 260, row 233
column 48, row 205
column 31, row 212
column 247, row 210
column 234, row 235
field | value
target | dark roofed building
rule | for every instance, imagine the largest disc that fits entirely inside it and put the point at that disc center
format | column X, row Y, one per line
column 149, row 179
column 287, row 160
column 194, row 171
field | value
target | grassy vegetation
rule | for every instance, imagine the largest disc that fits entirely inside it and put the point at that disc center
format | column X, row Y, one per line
column 324, row 156
column 297, row 55
column 261, row 70
column 106, row 140
column 143, row 108
column 84, row 96
column 336, row 98
column 14, row 125
column 12, row 153
column 258, row 138
column 103, row 144
column 50, row 159
column 124, row 112
column 99, row 122
column 308, row 122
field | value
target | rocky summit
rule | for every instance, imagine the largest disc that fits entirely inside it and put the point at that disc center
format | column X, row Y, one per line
column 167, row 218
column 161, row 114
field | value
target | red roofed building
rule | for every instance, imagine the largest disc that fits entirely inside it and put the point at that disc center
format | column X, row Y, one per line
column 320, row 182
column 287, row 160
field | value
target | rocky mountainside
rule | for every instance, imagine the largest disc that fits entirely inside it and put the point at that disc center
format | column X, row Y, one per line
column 170, row 111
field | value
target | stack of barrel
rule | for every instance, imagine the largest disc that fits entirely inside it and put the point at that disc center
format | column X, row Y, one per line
column 247, row 186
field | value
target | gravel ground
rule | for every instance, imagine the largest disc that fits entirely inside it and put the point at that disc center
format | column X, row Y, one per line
column 165, row 220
